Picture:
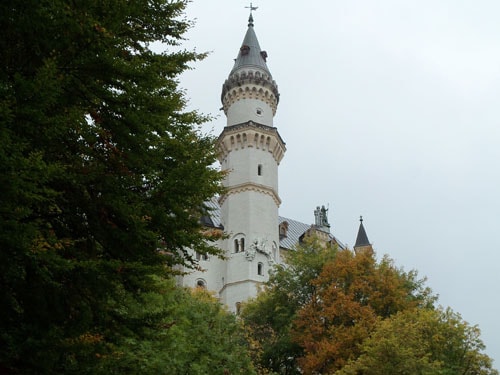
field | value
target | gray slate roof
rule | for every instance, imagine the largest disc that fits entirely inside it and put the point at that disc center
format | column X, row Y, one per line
column 295, row 228
column 250, row 54
column 362, row 238
column 213, row 219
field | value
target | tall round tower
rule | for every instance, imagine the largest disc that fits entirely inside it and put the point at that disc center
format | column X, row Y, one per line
column 250, row 151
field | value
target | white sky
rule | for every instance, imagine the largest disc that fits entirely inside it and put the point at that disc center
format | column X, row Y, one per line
column 389, row 110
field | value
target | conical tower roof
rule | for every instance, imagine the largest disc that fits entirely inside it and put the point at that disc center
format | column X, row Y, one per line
column 250, row 72
column 362, row 238
column 250, row 55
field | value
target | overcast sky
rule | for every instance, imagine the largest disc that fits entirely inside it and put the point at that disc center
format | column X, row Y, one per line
column 390, row 110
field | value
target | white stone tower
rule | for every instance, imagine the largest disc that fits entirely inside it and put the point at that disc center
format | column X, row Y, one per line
column 250, row 151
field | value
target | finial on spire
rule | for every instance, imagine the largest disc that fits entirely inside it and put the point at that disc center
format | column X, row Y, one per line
column 361, row 219
column 250, row 19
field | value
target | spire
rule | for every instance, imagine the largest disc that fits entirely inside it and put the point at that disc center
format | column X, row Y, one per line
column 250, row 70
column 250, row 55
column 362, row 238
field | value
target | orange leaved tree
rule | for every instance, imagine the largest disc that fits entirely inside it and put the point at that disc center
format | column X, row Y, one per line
column 351, row 294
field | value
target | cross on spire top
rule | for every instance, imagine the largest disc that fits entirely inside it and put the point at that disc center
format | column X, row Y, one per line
column 250, row 19
column 252, row 8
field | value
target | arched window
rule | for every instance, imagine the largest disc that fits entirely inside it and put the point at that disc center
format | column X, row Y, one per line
column 200, row 283
column 260, row 269
column 259, row 170
column 239, row 243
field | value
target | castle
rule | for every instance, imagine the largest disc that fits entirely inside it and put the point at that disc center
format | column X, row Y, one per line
column 250, row 150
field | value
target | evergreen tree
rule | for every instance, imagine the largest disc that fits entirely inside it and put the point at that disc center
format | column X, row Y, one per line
column 103, row 174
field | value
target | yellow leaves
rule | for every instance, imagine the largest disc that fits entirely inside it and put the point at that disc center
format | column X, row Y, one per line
column 212, row 234
column 353, row 291
column 48, row 241
column 90, row 338
column 87, row 338
column 102, row 30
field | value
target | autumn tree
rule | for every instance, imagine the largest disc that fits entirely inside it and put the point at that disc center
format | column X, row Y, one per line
column 103, row 174
column 268, row 318
column 351, row 294
column 422, row 341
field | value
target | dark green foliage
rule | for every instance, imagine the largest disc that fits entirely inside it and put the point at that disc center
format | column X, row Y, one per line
column 103, row 174
column 186, row 332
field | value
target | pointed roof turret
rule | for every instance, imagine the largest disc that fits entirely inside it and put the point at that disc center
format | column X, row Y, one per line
column 362, row 238
column 250, row 73
column 250, row 55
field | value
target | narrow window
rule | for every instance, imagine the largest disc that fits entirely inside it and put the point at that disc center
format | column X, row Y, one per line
column 259, row 170
column 242, row 245
column 236, row 246
column 201, row 256
column 260, row 269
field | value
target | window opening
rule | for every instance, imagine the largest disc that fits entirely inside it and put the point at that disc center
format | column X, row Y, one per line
column 259, row 170
column 201, row 284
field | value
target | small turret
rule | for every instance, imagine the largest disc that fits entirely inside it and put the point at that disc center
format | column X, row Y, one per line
column 362, row 243
column 250, row 79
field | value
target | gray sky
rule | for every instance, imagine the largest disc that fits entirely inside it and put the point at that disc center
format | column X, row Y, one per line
column 389, row 110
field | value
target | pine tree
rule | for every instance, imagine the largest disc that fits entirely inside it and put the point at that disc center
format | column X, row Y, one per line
column 103, row 173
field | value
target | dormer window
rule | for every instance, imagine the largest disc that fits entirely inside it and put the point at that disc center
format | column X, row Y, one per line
column 263, row 54
column 283, row 230
column 244, row 50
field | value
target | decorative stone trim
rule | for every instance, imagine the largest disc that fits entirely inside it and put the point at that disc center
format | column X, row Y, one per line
column 259, row 245
column 225, row 286
column 250, row 186
column 251, row 134
column 250, row 84
column 249, row 91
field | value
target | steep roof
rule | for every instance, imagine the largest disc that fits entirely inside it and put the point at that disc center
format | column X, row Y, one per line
column 295, row 228
column 250, row 54
column 362, row 238
column 212, row 219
